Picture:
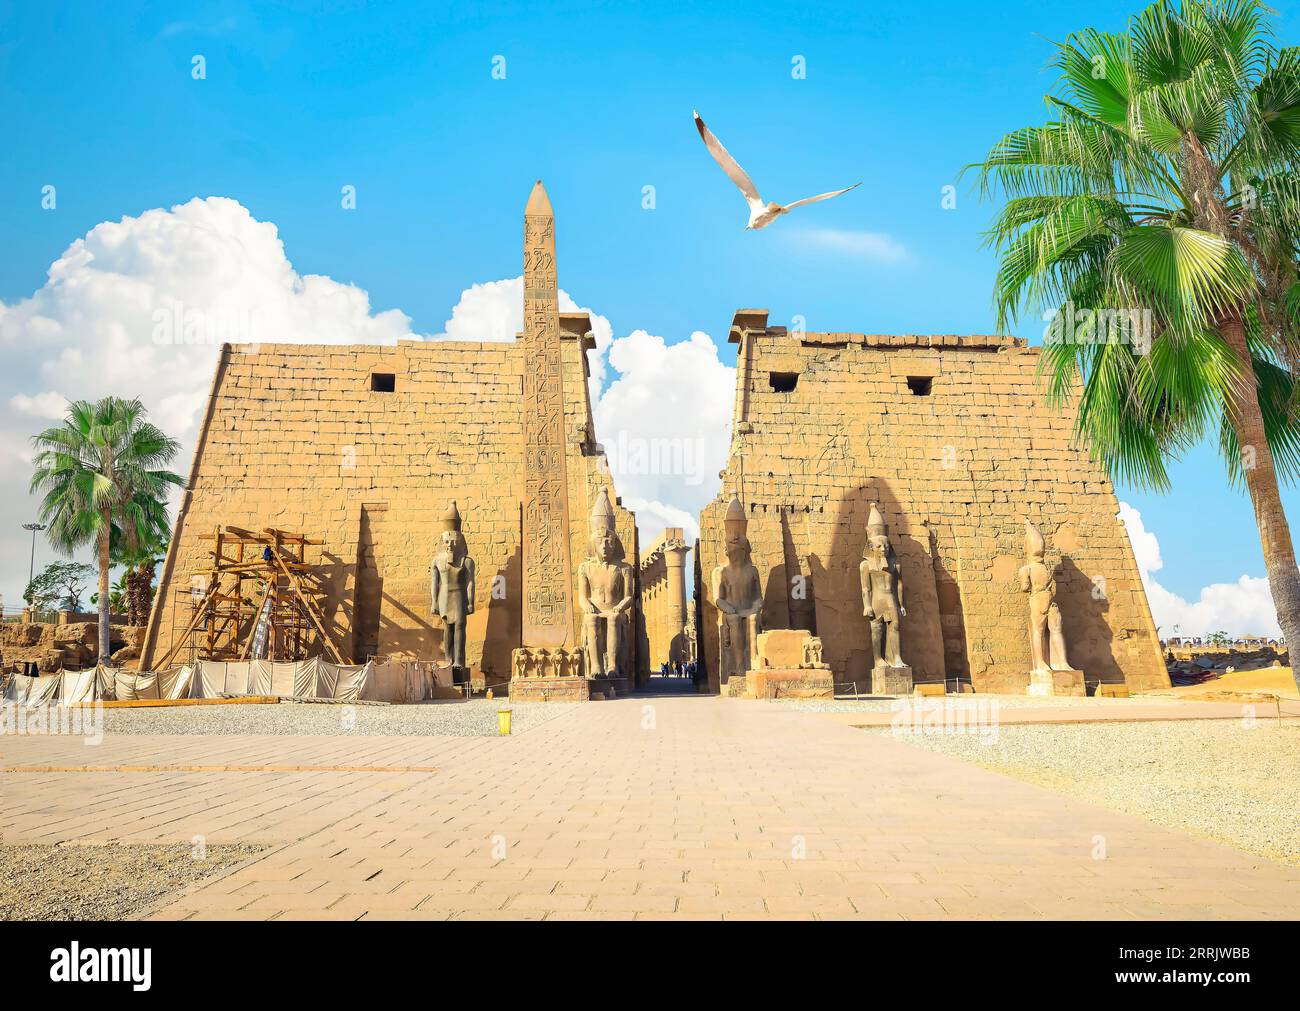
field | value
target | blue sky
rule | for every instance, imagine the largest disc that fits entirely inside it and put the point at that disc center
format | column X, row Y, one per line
column 399, row 101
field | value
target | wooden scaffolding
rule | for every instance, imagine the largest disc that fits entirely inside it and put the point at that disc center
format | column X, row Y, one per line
column 259, row 600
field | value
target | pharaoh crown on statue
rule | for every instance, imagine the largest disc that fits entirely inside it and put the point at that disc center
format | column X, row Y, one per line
column 602, row 515
column 875, row 523
column 1034, row 546
column 451, row 518
column 735, row 519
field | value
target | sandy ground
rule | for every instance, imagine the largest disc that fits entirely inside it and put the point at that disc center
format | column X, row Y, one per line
column 1234, row 781
column 111, row 882
column 1266, row 680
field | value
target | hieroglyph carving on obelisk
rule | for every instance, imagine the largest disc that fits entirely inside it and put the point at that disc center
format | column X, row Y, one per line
column 548, row 570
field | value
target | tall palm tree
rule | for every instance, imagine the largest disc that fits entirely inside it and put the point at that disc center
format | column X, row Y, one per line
column 97, row 470
column 1157, row 213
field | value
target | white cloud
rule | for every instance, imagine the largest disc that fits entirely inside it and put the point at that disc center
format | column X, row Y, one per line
column 1241, row 608
column 494, row 311
column 43, row 405
column 653, row 517
column 877, row 247
column 197, row 274
column 665, row 423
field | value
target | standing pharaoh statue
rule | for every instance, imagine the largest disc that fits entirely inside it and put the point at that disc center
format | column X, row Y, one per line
column 738, row 595
column 882, row 605
column 1051, row 673
column 606, row 588
column 1037, row 581
column 452, row 587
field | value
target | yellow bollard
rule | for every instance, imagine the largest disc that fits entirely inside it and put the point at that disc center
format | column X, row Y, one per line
column 489, row 694
column 503, row 721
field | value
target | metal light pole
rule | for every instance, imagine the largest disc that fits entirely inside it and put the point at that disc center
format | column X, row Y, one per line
column 31, row 570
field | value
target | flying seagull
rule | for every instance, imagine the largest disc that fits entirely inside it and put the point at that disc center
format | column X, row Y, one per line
column 761, row 213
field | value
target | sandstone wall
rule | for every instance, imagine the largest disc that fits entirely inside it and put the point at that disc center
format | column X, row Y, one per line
column 955, row 472
column 296, row 438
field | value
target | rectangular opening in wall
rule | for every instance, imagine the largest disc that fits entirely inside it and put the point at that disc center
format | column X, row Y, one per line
column 383, row 382
column 783, row 382
column 919, row 385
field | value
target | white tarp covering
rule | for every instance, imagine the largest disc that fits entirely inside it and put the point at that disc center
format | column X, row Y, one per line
column 175, row 683
column 129, row 685
column 391, row 681
column 25, row 691
column 82, row 686
column 396, row 681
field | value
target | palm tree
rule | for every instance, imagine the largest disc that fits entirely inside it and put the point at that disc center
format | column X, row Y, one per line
column 139, row 550
column 97, row 470
column 1157, row 214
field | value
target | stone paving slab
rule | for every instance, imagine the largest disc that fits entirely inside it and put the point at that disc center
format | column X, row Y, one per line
column 689, row 808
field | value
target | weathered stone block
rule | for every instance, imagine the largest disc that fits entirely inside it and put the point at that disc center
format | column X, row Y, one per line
column 891, row 680
column 789, row 683
column 1056, row 682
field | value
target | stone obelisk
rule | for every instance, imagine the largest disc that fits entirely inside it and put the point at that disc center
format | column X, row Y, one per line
column 548, row 632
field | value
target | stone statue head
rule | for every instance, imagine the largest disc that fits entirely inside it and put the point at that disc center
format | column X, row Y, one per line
column 451, row 539
column 877, row 534
column 453, row 544
column 604, row 545
column 737, row 546
column 735, row 526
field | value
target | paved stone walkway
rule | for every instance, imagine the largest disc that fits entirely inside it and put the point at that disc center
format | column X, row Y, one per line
column 695, row 807
column 1136, row 711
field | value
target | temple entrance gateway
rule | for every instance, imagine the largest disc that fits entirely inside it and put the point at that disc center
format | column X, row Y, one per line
column 868, row 534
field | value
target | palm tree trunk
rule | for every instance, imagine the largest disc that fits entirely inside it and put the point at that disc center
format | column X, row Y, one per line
column 128, row 594
column 137, row 596
column 145, row 583
column 1261, row 480
column 104, row 566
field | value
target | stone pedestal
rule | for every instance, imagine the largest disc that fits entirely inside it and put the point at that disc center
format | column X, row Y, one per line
column 891, row 680
column 1056, row 682
column 550, row 690
column 539, row 675
column 789, row 683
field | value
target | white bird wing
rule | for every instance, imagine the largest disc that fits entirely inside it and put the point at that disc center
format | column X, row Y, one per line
column 729, row 165
column 821, row 196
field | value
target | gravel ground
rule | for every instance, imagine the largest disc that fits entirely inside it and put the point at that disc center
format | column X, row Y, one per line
column 112, row 882
column 1004, row 702
column 477, row 718
column 1214, row 778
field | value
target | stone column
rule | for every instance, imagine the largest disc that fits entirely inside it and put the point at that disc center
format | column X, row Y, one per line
column 675, row 598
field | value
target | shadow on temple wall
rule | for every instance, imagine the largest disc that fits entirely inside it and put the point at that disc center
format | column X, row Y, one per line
column 844, row 630
column 502, row 627
column 703, row 666
column 338, row 615
column 1088, row 636
column 415, row 636
column 800, row 598
column 952, row 619
column 783, row 607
